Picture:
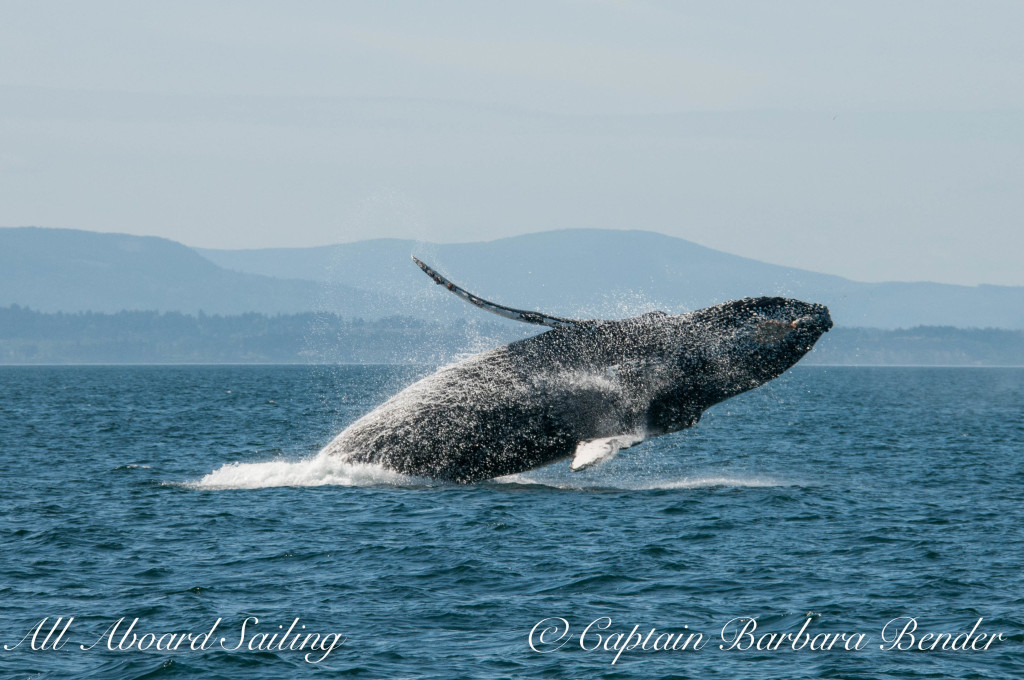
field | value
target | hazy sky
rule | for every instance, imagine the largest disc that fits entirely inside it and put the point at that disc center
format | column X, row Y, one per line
column 876, row 140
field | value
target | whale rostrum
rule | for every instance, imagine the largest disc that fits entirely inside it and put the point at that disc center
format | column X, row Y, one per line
column 583, row 390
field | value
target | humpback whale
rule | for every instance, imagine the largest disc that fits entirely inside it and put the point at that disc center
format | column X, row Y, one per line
column 582, row 390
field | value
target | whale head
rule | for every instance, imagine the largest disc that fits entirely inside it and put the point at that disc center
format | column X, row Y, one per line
column 730, row 348
column 754, row 340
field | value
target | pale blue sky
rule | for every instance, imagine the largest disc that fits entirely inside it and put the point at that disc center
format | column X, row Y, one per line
column 876, row 140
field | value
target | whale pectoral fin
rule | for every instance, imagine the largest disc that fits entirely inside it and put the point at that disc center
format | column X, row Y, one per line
column 523, row 315
column 594, row 451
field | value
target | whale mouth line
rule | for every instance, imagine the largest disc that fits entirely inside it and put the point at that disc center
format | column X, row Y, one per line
column 821, row 321
column 801, row 322
column 812, row 322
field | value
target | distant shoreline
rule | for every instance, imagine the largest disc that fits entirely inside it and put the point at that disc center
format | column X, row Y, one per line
column 28, row 337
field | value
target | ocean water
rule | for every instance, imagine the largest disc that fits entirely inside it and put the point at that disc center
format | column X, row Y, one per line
column 834, row 500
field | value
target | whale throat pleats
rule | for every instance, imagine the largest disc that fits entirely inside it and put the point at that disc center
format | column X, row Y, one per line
column 523, row 315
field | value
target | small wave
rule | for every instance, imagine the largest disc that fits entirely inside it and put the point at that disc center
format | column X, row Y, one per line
column 647, row 484
column 319, row 470
column 704, row 482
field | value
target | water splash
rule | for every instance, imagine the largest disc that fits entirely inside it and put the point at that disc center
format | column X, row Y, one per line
column 319, row 470
column 327, row 470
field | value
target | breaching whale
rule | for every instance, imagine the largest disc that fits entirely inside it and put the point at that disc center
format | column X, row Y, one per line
column 583, row 390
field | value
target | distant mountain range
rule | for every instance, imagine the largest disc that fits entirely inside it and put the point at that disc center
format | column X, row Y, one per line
column 66, row 270
column 580, row 273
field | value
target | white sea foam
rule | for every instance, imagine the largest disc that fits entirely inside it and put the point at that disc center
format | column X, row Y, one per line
column 648, row 484
column 324, row 469
column 319, row 470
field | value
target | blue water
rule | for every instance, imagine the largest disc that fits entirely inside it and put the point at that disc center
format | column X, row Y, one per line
column 180, row 495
